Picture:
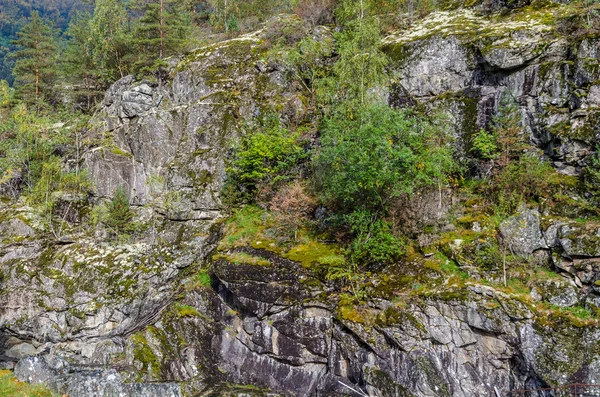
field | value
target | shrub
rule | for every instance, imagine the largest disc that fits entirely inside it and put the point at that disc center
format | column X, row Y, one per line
column 373, row 241
column 291, row 206
column 268, row 156
column 485, row 145
column 316, row 12
column 368, row 158
column 118, row 212
column 309, row 60
column 527, row 179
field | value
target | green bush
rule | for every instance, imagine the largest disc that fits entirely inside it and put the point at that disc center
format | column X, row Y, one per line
column 268, row 156
column 527, row 179
column 371, row 157
column 485, row 145
column 118, row 212
column 373, row 241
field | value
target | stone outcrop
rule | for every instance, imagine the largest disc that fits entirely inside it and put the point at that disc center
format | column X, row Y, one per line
column 90, row 316
column 466, row 62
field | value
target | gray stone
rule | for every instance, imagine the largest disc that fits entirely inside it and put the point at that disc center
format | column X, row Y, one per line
column 137, row 101
column 34, row 370
column 514, row 51
column 20, row 351
column 522, row 233
column 560, row 294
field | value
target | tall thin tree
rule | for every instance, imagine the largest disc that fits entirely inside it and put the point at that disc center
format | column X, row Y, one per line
column 162, row 31
column 35, row 66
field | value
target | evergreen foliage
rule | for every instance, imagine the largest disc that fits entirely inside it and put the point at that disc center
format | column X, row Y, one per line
column 508, row 130
column 110, row 37
column 35, row 67
column 119, row 214
column 79, row 67
column 162, row 31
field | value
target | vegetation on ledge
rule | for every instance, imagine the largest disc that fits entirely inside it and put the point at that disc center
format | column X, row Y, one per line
column 10, row 387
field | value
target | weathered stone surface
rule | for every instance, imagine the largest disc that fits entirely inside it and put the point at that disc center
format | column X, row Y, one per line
column 137, row 101
column 451, row 53
column 20, row 351
column 522, row 232
column 136, row 311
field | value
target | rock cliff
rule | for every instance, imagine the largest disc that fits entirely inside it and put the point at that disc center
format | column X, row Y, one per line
column 180, row 312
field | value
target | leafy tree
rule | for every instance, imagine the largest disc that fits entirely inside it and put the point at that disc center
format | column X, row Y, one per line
column 35, row 66
column 28, row 142
column 161, row 31
column 361, row 64
column 54, row 182
column 380, row 154
column 111, row 41
column 367, row 161
column 79, row 67
column 307, row 60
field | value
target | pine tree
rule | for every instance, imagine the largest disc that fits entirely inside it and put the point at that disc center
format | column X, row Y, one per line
column 507, row 127
column 161, row 31
column 35, row 66
column 119, row 213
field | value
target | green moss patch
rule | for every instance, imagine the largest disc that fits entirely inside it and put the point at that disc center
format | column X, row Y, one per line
column 243, row 258
column 11, row 387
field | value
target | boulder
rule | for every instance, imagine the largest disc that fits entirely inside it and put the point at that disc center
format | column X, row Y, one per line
column 136, row 101
column 522, row 233
column 20, row 351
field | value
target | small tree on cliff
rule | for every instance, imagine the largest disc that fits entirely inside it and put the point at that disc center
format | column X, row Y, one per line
column 110, row 41
column 119, row 214
column 507, row 127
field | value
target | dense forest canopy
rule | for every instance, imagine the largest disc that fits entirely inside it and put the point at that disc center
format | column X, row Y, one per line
column 14, row 14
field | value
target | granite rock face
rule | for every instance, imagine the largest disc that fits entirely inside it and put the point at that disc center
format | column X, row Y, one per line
column 466, row 62
column 90, row 316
